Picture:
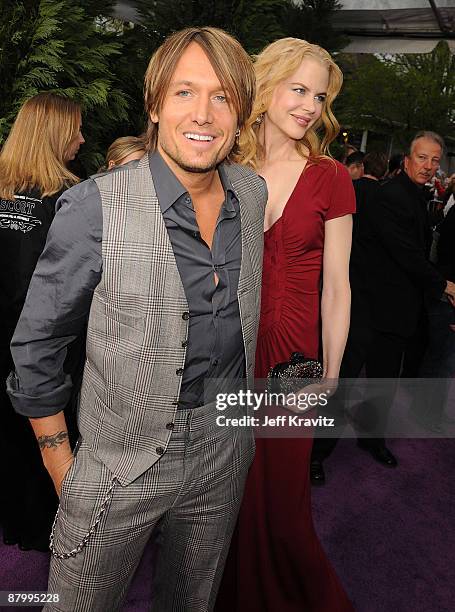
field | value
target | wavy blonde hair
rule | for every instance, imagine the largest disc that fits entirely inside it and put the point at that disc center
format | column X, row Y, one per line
column 273, row 65
column 34, row 153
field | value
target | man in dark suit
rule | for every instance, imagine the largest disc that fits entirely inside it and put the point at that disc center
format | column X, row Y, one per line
column 390, row 279
column 404, row 278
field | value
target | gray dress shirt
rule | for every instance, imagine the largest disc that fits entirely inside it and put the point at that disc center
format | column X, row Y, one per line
column 70, row 268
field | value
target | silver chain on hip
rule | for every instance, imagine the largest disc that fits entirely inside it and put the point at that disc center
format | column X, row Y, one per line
column 91, row 531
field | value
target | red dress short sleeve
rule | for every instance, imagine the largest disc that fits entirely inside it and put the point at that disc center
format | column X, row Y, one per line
column 342, row 198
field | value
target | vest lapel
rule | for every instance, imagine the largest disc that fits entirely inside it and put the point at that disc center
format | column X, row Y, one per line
column 250, row 214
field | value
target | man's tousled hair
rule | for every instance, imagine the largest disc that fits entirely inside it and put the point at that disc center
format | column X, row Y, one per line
column 229, row 60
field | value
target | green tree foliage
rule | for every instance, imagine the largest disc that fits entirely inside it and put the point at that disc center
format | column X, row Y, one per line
column 61, row 46
column 400, row 94
column 311, row 20
column 430, row 85
column 16, row 30
column 253, row 22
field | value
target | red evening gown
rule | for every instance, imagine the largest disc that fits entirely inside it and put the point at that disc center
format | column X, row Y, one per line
column 276, row 562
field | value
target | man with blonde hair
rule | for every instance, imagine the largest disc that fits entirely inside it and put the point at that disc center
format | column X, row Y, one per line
column 164, row 258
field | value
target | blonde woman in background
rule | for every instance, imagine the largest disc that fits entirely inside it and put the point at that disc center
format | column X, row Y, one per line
column 276, row 561
column 45, row 136
column 124, row 150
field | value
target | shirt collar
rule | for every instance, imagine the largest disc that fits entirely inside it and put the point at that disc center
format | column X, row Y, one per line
column 169, row 189
column 229, row 193
column 167, row 186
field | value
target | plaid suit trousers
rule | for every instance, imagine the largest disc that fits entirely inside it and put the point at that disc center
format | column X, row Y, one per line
column 187, row 502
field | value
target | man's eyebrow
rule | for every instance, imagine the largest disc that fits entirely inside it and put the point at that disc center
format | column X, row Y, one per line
column 190, row 84
column 321, row 93
column 177, row 83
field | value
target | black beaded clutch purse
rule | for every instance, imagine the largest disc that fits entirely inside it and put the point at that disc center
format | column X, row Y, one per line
column 292, row 375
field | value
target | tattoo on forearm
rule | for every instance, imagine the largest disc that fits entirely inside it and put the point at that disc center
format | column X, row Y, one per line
column 52, row 441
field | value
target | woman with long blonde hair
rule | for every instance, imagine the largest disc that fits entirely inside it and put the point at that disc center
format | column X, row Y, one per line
column 276, row 561
column 33, row 173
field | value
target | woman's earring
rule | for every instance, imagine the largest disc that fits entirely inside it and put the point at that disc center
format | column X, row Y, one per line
column 237, row 134
column 259, row 119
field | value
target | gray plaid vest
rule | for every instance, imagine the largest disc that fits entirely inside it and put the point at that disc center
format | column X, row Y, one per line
column 136, row 329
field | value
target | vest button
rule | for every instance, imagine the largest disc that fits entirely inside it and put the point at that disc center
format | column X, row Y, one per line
column 179, row 372
column 159, row 450
column 169, row 425
column 185, row 316
column 184, row 343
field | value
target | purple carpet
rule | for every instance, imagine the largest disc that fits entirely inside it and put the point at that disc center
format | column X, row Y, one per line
column 389, row 533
